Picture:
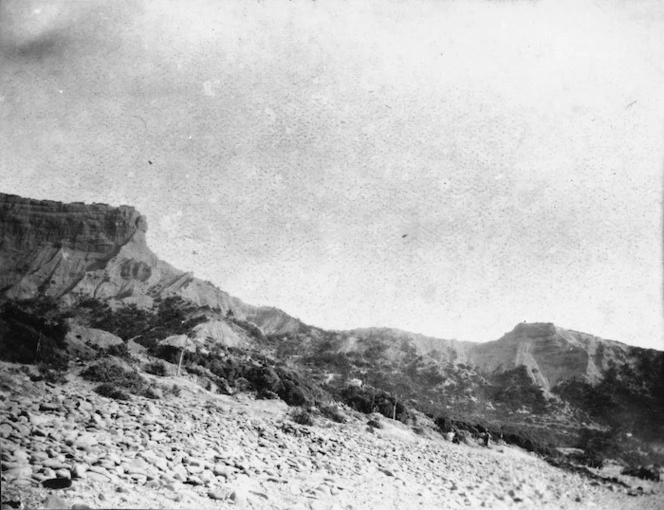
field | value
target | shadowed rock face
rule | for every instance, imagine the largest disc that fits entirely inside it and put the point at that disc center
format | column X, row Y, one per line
column 79, row 250
column 46, row 247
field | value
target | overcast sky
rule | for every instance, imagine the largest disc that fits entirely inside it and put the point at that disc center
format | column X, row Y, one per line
column 448, row 168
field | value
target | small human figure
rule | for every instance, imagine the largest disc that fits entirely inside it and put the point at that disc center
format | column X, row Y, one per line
column 487, row 437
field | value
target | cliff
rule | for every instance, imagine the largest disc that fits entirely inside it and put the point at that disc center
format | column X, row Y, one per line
column 550, row 353
column 77, row 250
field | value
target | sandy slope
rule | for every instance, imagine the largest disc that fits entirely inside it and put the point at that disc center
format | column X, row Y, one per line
column 201, row 450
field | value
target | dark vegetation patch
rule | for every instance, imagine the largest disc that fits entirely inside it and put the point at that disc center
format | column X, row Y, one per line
column 332, row 412
column 301, row 416
column 156, row 368
column 117, row 381
column 369, row 400
column 627, row 400
column 644, row 472
column 33, row 332
column 532, row 440
column 170, row 316
column 236, row 369
column 515, row 389
column 119, row 351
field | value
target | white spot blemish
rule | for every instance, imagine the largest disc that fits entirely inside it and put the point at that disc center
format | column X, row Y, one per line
column 270, row 114
column 210, row 86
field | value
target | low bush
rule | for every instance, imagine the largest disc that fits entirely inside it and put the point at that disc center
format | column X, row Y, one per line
column 110, row 391
column 33, row 332
column 371, row 400
column 156, row 368
column 301, row 416
column 175, row 390
column 51, row 375
column 264, row 394
column 643, row 472
column 331, row 412
column 119, row 350
column 114, row 376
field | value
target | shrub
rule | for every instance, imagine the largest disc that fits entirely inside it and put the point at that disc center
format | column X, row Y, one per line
column 264, row 394
column 645, row 473
column 152, row 392
column 110, row 391
column 371, row 400
column 156, row 368
column 175, row 390
column 33, row 332
column 332, row 413
column 52, row 376
column 241, row 384
column 301, row 416
column 444, row 424
column 116, row 377
column 119, row 350
column 264, row 379
column 292, row 394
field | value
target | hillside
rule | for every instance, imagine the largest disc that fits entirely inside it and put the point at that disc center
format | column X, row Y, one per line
column 74, row 251
column 83, row 294
column 197, row 449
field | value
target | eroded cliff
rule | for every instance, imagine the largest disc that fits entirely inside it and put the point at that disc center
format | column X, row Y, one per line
column 72, row 251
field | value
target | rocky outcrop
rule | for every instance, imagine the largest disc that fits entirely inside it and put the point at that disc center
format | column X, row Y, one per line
column 550, row 353
column 47, row 247
column 72, row 251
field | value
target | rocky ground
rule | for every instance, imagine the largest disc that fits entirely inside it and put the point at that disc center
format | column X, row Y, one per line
column 201, row 450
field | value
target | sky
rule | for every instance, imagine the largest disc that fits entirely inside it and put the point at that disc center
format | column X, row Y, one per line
column 450, row 168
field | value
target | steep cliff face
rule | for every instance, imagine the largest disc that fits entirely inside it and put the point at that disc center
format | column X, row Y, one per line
column 76, row 250
column 46, row 247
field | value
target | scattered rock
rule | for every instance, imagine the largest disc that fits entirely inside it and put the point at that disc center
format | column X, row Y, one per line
column 57, row 483
column 55, row 501
column 216, row 494
column 17, row 473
